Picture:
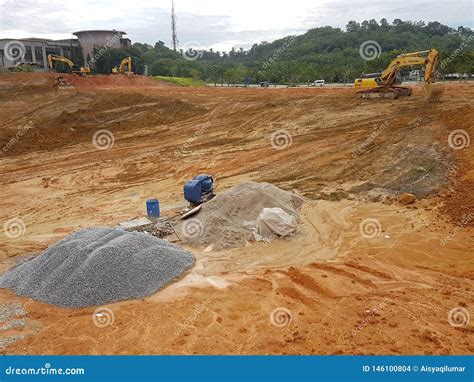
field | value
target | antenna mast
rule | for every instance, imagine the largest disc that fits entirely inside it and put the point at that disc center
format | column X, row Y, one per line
column 174, row 34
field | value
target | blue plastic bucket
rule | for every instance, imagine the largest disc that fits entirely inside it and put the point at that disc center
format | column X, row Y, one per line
column 153, row 208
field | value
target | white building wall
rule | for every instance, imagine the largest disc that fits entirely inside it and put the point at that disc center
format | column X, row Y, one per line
column 9, row 57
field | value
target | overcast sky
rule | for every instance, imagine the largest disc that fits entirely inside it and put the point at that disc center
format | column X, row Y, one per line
column 213, row 23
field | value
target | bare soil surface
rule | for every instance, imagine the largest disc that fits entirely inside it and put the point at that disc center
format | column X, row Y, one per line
column 331, row 289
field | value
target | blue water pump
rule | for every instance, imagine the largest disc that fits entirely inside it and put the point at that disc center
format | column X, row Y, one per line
column 200, row 189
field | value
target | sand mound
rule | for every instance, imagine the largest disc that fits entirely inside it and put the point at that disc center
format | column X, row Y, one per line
column 221, row 221
column 98, row 266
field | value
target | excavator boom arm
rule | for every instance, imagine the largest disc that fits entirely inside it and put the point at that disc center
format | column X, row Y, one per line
column 126, row 61
column 53, row 57
column 431, row 65
column 417, row 58
column 72, row 66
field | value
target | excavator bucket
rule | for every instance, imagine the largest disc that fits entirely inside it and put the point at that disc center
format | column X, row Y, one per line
column 433, row 91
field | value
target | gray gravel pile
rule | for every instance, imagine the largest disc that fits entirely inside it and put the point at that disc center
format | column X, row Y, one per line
column 12, row 316
column 159, row 229
column 99, row 266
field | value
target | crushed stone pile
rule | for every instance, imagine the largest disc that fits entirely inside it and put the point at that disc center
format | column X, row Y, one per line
column 97, row 266
column 223, row 221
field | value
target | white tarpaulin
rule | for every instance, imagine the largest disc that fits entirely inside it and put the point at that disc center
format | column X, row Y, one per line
column 273, row 222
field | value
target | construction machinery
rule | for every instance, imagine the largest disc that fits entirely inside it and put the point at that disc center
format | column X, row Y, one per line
column 199, row 190
column 75, row 69
column 368, row 80
column 62, row 84
column 126, row 62
column 386, row 83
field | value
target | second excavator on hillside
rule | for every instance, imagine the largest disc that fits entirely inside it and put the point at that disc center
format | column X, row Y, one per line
column 126, row 62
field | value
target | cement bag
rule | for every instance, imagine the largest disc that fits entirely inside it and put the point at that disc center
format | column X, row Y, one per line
column 274, row 222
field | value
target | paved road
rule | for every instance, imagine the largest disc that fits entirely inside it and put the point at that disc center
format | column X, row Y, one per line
column 279, row 86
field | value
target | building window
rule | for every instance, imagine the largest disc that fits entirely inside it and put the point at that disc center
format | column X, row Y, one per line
column 2, row 62
column 39, row 56
column 28, row 56
column 55, row 51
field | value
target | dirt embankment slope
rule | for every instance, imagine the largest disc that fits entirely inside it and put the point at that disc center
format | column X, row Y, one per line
column 346, row 293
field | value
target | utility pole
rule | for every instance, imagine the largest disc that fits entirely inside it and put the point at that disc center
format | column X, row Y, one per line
column 174, row 34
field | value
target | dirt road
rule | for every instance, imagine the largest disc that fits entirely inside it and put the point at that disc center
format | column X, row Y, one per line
column 366, row 274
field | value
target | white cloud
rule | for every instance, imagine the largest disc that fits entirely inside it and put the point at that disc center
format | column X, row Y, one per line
column 213, row 23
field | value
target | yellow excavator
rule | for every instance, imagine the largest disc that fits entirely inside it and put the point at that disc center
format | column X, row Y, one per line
column 385, row 85
column 75, row 69
column 126, row 62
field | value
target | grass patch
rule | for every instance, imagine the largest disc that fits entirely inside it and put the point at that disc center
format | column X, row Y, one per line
column 180, row 81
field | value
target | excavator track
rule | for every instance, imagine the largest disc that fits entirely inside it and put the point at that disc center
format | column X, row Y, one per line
column 384, row 92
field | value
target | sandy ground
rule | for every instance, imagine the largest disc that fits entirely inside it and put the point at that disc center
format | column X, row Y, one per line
column 330, row 289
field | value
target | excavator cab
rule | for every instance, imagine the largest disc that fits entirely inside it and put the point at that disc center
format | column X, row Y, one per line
column 83, row 70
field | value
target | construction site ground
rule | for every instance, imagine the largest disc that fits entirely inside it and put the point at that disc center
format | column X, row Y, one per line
column 343, row 292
